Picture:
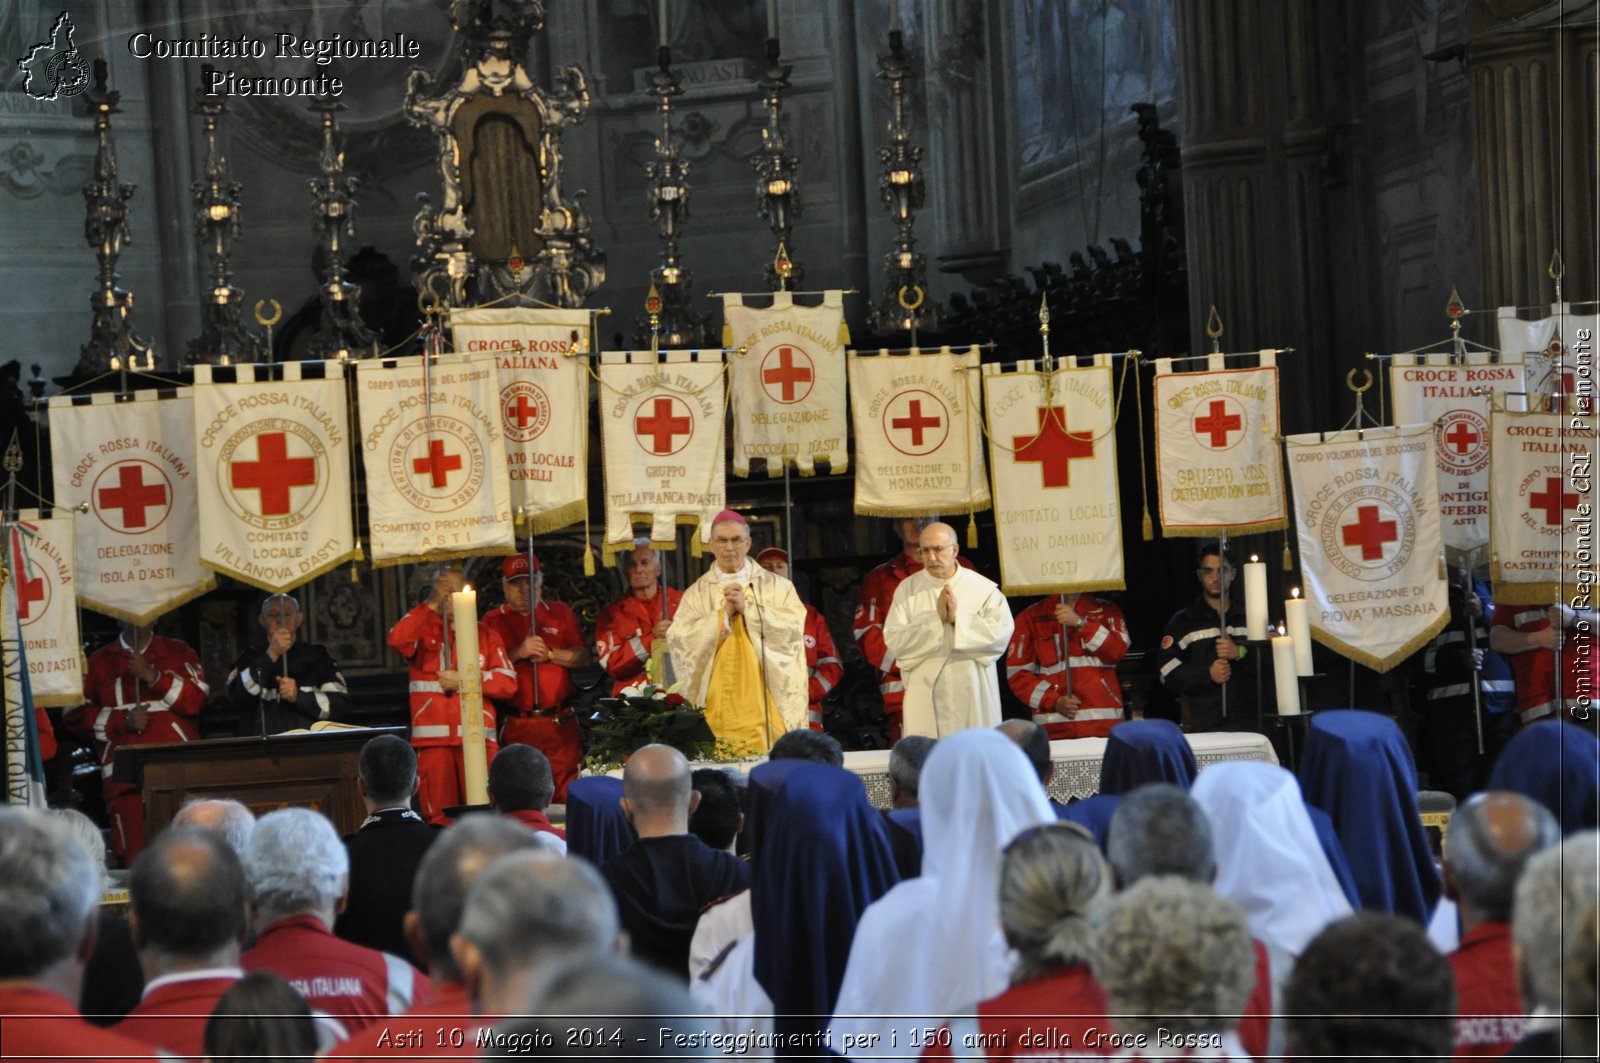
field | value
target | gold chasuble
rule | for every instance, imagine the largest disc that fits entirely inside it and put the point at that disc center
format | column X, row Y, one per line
column 736, row 696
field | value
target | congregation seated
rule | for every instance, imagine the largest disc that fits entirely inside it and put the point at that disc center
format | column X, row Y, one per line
column 597, row 826
column 802, row 743
column 717, row 818
column 1137, row 752
column 905, row 814
column 113, row 979
column 521, row 786
column 1553, row 926
column 1558, row 765
column 227, row 817
column 261, row 1016
column 386, row 850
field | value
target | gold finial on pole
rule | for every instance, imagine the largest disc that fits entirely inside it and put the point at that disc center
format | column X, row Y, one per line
column 783, row 266
column 1214, row 328
column 1557, row 270
column 653, row 306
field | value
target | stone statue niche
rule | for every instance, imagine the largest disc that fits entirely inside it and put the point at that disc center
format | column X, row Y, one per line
column 504, row 229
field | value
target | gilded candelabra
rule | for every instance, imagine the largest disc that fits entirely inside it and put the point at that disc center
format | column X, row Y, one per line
column 223, row 337
column 778, row 184
column 112, row 342
column 674, row 322
column 904, row 304
column 340, row 333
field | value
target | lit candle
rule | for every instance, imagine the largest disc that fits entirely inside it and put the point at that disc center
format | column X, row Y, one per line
column 661, row 20
column 1255, row 599
column 474, row 744
column 772, row 20
column 1299, row 628
column 1283, row 675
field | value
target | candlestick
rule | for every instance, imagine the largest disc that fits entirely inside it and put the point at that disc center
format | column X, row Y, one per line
column 1299, row 629
column 474, row 745
column 661, row 20
column 1283, row 674
column 1255, row 599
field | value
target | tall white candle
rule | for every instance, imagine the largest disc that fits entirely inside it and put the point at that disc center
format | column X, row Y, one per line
column 661, row 21
column 894, row 16
column 1283, row 674
column 1255, row 599
column 772, row 20
column 474, row 743
column 1298, row 625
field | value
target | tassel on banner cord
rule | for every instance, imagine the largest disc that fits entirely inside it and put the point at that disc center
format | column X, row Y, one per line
column 1146, row 528
column 727, row 336
column 844, row 332
column 588, row 560
column 1288, row 558
column 972, row 530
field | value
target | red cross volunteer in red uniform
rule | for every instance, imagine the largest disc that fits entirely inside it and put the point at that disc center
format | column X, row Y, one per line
column 625, row 632
column 1094, row 637
column 823, row 667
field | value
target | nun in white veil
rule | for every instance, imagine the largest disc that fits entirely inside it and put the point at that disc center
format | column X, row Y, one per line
column 1269, row 861
column 932, row 946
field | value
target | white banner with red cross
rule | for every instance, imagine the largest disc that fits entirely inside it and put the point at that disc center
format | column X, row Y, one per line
column 661, row 431
column 1053, row 459
column 919, row 448
column 40, row 556
column 544, row 405
column 131, row 458
column 1558, row 352
column 788, row 383
column 1218, row 466
column 1541, row 476
column 1455, row 399
column 1370, row 550
column 273, row 450
column 435, row 458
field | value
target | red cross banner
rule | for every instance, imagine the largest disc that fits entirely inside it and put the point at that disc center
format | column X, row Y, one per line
column 788, row 384
column 1218, row 466
column 544, row 405
column 919, row 448
column 661, row 431
column 434, row 453
column 39, row 557
column 1370, row 550
column 1557, row 350
column 1541, row 475
column 1053, row 459
column 131, row 459
column 1455, row 398
column 273, row 455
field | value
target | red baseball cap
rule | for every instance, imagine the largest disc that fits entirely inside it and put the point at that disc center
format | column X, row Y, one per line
column 516, row 566
column 773, row 553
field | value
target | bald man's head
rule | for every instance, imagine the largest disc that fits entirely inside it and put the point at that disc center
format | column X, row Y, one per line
column 657, row 791
column 939, row 549
column 188, row 895
column 1489, row 839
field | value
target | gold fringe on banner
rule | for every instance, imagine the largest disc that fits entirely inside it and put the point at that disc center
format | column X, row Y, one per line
column 554, row 520
column 442, row 556
column 276, row 588
column 1382, row 664
column 200, row 590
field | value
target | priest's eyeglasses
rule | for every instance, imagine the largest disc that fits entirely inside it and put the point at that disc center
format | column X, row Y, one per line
column 926, row 550
column 723, row 540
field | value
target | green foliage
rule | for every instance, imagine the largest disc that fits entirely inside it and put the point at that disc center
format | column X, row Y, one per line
column 652, row 716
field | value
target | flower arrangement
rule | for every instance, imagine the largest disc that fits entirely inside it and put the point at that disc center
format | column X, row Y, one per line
column 651, row 714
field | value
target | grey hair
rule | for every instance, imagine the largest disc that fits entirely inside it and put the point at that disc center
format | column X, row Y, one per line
column 1551, row 895
column 296, row 862
column 906, row 760
column 87, row 831
column 266, row 603
column 529, row 908
column 439, row 892
column 1052, row 879
column 48, row 892
column 1484, row 868
column 1172, row 954
column 1158, row 829
column 229, row 818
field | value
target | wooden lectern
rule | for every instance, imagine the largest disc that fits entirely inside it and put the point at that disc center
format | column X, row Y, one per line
column 308, row 770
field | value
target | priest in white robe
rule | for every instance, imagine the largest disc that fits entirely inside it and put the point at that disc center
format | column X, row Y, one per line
column 738, row 643
column 946, row 627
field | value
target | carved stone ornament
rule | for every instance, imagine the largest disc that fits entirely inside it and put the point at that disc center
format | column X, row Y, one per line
column 503, row 228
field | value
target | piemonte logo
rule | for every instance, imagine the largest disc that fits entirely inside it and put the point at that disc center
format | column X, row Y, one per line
column 1461, row 442
column 526, row 409
column 277, row 481
column 1369, row 531
column 437, row 466
column 55, row 68
column 132, row 497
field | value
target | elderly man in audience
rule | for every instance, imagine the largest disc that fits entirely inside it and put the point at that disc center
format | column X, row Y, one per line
column 190, row 912
column 521, row 785
column 48, row 891
column 227, row 817
column 1556, row 890
column 1176, row 964
column 448, row 871
column 526, row 916
column 905, row 796
column 300, row 873
column 113, row 979
column 386, row 850
column 1370, row 986
column 1489, row 840
column 663, row 880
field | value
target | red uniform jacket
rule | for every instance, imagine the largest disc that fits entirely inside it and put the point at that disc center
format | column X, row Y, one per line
column 37, row 1024
column 558, row 626
column 1489, row 1017
column 1535, row 670
column 1038, row 676
column 435, row 715
column 173, row 1012
column 623, row 635
column 110, row 692
column 877, row 594
column 822, row 663
column 428, row 1030
column 348, row 981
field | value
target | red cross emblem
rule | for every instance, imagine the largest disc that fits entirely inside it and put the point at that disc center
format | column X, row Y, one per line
column 132, row 496
column 1462, row 436
column 1552, row 500
column 663, row 425
column 786, row 374
column 1054, row 447
column 915, row 422
column 1370, row 533
column 436, row 463
column 522, row 412
column 1217, row 423
column 273, row 473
